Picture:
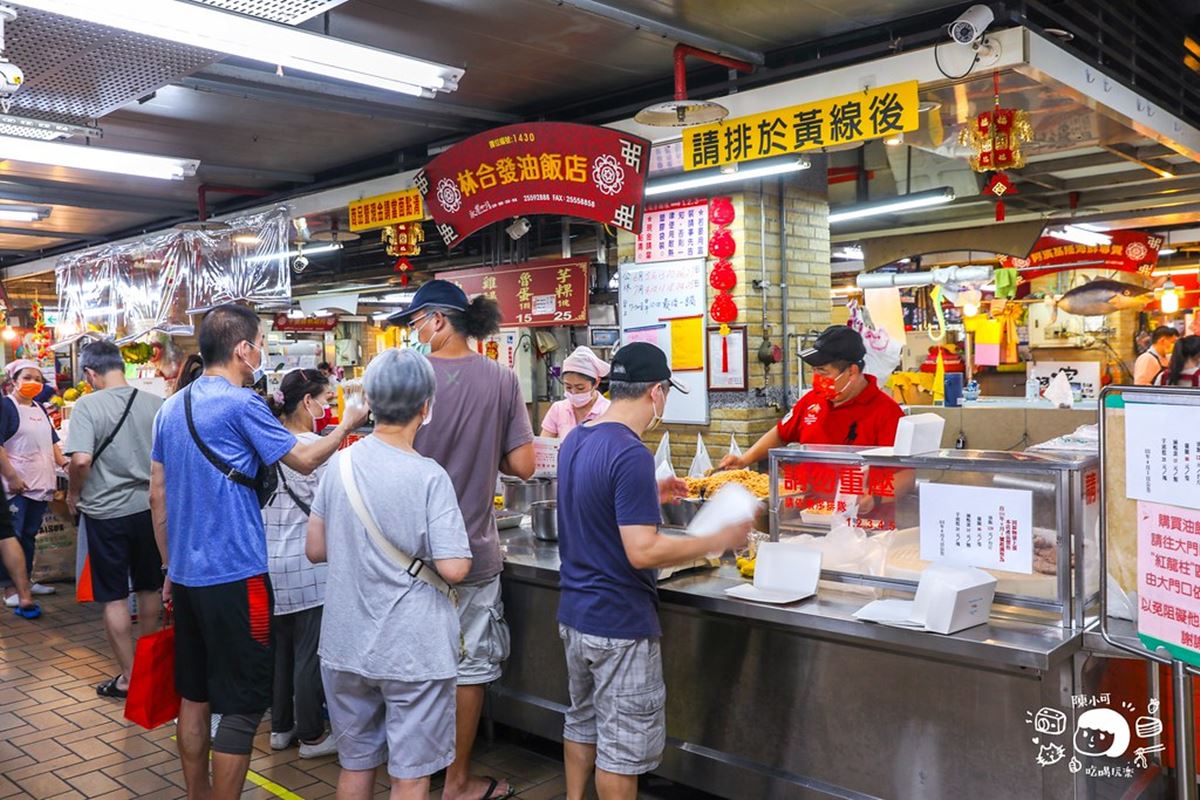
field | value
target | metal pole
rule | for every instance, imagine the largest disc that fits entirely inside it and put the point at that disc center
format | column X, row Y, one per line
column 785, row 366
column 1185, row 738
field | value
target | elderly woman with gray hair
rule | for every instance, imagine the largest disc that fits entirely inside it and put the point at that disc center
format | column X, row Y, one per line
column 386, row 520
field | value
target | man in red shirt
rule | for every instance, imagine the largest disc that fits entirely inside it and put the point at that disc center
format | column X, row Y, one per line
column 845, row 405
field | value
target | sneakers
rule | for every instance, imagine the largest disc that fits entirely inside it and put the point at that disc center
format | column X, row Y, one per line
column 41, row 588
column 12, row 601
column 282, row 741
column 325, row 747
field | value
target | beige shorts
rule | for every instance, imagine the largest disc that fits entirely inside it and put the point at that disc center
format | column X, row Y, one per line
column 484, row 631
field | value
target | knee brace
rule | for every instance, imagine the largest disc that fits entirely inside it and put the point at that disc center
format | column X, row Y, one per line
column 235, row 733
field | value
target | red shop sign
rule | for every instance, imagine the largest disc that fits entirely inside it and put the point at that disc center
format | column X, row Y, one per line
column 1129, row 251
column 533, row 294
column 536, row 168
column 285, row 323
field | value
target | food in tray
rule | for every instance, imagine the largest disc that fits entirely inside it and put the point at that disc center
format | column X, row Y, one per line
column 1045, row 555
column 758, row 483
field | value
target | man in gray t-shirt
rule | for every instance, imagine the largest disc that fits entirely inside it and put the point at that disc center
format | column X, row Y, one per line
column 109, row 436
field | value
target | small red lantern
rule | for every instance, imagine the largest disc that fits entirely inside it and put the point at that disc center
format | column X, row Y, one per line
column 723, row 309
column 722, row 245
column 722, row 278
column 720, row 210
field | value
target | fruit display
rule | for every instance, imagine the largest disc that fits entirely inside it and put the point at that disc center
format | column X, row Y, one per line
column 140, row 352
column 70, row 395
column 58, row 402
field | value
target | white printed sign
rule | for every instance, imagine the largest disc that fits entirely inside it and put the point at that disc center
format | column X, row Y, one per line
column 545, row 456
column 544, row 304
column 1084, row 373
column 977, row 526
column 1162, row 454
column 677, row 231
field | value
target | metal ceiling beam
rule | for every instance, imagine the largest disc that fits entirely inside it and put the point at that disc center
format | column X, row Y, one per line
column 317, row 102
column 36, row 234
column 57, row 193
column 1088, row 161
column 223, row 172
column 665, row 30
column 1163, row 169
column 416, row 106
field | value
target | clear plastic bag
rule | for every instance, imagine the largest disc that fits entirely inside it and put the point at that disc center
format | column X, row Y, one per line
column 701, row 463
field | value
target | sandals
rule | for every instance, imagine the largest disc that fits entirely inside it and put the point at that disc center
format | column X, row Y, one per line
column 109, row 689
column 492, row 784
column 28, row 612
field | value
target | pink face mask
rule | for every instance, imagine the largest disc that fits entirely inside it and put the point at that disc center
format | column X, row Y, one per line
column 580, row 400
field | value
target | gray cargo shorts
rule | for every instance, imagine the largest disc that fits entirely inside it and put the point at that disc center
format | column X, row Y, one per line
column 618, row 700
column 484, row 631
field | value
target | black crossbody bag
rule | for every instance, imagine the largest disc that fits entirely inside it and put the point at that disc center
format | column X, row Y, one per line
column 265, row 480
column 109, row 440
column 300, row 504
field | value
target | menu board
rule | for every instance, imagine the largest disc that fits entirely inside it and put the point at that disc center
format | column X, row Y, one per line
column 533, row 294
column 975, row 526
column 673, row 231
column 1162, row 454
column 665, row 304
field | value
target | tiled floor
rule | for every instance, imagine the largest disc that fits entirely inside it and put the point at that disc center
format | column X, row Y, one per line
column 59, row 740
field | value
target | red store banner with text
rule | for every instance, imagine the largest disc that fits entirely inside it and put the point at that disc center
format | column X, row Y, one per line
column 285, row 323
column 536, row 168
column 533, row 294
column 1129, row 251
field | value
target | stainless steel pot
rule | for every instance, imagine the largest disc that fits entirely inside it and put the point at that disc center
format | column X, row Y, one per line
column 681, row 513
column 519, row 494
column 544, row 516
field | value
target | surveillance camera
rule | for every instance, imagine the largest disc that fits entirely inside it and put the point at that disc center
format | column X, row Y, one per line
column 12, row 78
column 519, row 228
column 300, row 264
column 970, row 27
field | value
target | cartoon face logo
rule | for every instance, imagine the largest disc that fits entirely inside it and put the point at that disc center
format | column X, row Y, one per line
column 1101, row 732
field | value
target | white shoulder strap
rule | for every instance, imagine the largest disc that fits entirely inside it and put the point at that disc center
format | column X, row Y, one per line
column 413, row 566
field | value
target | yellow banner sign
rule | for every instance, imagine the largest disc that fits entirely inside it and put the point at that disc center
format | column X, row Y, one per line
column 386, row 209
column 870, row 114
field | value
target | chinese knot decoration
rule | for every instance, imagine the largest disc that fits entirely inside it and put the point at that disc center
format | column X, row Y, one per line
column 996, row 137
column 722, row 278
column 404, row 267
column 404, row 239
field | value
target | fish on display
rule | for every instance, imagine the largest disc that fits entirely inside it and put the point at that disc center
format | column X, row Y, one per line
column 1101, row 296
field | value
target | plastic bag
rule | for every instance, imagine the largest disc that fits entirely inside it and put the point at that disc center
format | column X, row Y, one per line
column 734, row 450
column 883, row 353
column 1059, row 391
column 152, row 698
column 701, row 463
column 662, row 459
column 733, row 504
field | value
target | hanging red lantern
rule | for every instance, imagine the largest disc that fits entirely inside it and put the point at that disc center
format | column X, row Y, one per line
column 722, row 278
column 723, row 309
column 720, row 211
column 721, row 244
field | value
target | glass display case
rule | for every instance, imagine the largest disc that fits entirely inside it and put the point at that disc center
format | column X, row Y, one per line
column 1029, row 519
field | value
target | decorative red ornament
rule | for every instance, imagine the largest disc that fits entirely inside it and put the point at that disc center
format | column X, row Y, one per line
column 720, row 210
column 402, row 265
column 999, row 187
column 723, row 309
column 722, row 278
column 721, row 244
column 404, row 279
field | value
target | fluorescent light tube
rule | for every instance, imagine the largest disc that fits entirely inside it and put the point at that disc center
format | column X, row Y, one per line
column 99, row 159
column 260, row 40
column 19, row 213
column 1078, row 234
column 894, row 205
column 679, row 183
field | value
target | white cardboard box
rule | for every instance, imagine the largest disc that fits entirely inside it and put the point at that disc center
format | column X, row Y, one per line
column 950, row 599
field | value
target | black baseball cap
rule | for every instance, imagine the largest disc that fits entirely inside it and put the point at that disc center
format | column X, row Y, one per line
column 642, row 362
column 435, row 294
column 836, row 343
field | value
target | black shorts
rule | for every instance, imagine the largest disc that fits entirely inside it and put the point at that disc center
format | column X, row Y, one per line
column 122, row 551
column 224, row 652
column 7, row 531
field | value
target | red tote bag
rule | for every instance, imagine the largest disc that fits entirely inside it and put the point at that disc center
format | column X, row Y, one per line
column 152, row 700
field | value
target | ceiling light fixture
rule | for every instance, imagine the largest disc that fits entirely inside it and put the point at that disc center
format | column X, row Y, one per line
column 20, row 213
column 1078, row 234
column 852, row 252
column 696, row 180
column 99, row 159
column 894, row 205
column 1169, row 302
column 260, row 40
column 1167, row 251
column 30, row 128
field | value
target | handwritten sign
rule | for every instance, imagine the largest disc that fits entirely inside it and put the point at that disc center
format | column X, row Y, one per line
column 1169, row 579
column 870, row 114
column 678, row 230
column 386, row 209
column 975, row 526
column 1162, row 457
column 1084, row 373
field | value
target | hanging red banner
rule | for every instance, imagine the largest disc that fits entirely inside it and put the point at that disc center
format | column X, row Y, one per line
column 283, row 322
column 536, row 168
column 1129, row 251
column 534, row 294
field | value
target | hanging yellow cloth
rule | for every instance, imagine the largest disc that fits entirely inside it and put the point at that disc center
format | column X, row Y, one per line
column 939, row 379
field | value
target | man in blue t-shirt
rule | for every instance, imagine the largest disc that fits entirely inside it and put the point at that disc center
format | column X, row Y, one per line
column 210, row 534
column 610, row 548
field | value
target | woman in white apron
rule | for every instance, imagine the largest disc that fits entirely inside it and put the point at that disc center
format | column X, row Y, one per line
column 27, row 461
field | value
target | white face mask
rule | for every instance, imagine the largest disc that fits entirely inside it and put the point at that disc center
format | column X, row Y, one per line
column 428, row 414
column 657, row 418
column 260, row 370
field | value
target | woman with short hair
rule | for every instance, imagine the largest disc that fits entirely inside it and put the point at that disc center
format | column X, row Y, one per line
column 390, row 637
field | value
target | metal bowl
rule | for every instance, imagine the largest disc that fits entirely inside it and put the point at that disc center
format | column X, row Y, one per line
column 681, row 513
column 519, row 495
column 544, row 516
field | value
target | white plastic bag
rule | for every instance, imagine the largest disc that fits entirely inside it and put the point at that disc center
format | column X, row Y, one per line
column 701, row 463
column 734, row 450
column 883, row 353
column 662, row 459
column 1059, row 391
column 733, row 504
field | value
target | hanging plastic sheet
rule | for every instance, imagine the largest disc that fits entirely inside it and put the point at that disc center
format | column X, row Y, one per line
column 126, row 290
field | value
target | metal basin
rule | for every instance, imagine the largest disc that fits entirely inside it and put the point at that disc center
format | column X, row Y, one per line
column 543, row 515
column 519, row 495
column 681, row 514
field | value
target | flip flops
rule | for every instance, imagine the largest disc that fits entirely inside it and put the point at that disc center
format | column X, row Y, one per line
column 492, row 784
column 109, row 689
column 28, row 612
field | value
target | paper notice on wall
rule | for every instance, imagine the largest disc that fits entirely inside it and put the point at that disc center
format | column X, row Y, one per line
column 977, row 526
column 1162, row 454
column 651, row 334
column 687, row 344
column 1168, row 565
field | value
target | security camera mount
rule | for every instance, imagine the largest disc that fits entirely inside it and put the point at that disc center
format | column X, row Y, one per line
column 11, row 76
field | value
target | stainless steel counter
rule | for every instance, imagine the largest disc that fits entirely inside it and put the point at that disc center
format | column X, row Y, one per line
column 803, row 701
